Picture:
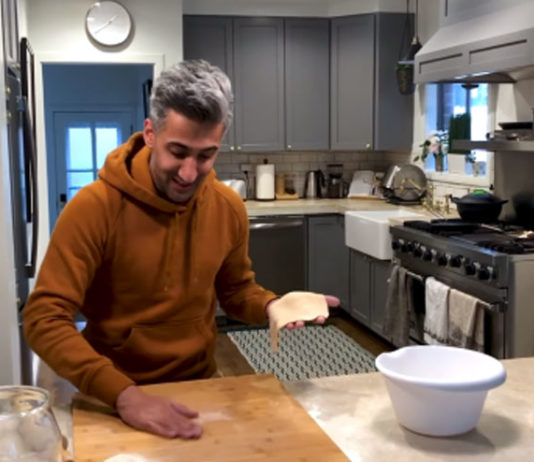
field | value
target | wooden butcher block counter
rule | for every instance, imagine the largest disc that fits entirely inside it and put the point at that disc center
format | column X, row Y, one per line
column 245, row 418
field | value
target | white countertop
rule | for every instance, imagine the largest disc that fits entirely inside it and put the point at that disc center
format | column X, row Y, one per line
column 355, row 411
column 320, row 206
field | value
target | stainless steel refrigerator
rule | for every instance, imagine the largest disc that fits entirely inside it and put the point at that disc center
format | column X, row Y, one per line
column 20, row 100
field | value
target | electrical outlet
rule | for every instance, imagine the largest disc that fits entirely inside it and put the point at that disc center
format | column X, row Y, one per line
column 245, row 167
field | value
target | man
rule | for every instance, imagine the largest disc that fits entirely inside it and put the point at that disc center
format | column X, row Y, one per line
column 143, row 253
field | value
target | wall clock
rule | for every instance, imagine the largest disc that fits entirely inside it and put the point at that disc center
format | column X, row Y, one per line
column 108, row 23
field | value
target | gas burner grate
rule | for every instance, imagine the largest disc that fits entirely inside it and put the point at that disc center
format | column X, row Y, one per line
column 443, row 227
column 510, row 247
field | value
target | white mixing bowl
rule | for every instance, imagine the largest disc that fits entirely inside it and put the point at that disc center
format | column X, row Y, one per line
column 439, row 390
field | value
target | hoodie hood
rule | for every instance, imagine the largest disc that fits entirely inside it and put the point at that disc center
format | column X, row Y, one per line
column 126, row 168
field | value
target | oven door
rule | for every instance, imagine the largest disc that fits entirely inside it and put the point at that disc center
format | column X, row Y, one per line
column 493, row 300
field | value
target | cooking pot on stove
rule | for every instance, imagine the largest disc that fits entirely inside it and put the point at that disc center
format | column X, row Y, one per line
column 479, row 206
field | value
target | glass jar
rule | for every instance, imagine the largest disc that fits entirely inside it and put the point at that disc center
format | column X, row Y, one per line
column 28, row 428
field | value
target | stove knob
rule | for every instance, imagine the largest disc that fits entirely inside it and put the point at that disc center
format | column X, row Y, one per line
column 409, row 246
column 441, row 259
column 470, row 269
column 427, row 255
column 418, row 252
column 395, row 245
column 483, row 273
column 456, row 261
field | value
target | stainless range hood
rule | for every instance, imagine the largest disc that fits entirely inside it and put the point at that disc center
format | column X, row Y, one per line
column 488, row 41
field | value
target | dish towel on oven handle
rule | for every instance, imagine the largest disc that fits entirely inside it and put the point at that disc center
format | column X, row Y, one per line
column 436, row 324
column 405, row 306
column 397, row 311
column 466, row 321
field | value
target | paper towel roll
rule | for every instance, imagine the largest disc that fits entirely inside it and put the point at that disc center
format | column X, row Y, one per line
column 265, row 182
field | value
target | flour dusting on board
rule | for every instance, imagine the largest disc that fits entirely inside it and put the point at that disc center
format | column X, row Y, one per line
column 127, row 458
column 213, row 416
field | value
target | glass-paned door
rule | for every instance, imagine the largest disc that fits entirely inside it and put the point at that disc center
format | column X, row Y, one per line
column 83, row 140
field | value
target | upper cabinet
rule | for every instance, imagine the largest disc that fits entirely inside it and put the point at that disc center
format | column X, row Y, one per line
column 280, row 74
column 307, row 84
column 368, row 112
column 259, row 83
column 352, row 82
column 393, row 120
column 251, row 52
column 210, row 38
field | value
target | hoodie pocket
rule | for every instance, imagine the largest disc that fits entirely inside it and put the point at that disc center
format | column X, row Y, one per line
column 159, row 348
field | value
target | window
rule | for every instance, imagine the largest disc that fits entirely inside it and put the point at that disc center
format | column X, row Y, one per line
column 451, row 99
column 87, row 146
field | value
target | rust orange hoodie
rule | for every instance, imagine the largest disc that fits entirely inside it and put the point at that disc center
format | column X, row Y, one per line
column 145, row 272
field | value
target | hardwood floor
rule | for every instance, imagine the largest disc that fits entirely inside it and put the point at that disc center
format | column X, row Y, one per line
column 230, row 362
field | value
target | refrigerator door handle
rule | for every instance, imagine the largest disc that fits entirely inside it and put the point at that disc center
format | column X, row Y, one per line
column 30, row 156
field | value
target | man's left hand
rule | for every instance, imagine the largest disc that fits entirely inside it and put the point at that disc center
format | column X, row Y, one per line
column 332, row 302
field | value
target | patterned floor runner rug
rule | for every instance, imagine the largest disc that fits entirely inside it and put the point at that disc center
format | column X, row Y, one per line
column 309, row 352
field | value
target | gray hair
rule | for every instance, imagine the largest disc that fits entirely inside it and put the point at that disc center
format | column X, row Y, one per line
column 195, row 89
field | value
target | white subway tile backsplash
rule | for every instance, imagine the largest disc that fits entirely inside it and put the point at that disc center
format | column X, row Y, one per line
column 239, row 158
column 308, row 157
column 228, row 164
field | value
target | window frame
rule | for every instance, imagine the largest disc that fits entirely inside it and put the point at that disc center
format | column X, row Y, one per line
column 456, row 178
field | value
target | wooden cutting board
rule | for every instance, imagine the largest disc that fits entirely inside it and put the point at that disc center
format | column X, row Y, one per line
column 245, row 418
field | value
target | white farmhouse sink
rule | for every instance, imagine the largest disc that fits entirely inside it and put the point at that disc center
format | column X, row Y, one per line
column 368, row 230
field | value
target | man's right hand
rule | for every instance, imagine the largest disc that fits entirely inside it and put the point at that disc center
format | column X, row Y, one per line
column 157, row 415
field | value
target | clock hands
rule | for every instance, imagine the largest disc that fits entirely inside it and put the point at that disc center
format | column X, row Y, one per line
column 106, row 24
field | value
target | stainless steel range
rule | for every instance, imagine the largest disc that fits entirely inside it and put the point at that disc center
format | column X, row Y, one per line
column 493, row 263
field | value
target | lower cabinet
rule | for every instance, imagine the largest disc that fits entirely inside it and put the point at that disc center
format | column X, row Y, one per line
column 328, row 257
column 368, row 290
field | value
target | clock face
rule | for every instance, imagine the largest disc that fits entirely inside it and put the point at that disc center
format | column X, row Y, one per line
column 108, row 23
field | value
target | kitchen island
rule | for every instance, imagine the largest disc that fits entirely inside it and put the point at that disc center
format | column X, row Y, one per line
column 355, row 412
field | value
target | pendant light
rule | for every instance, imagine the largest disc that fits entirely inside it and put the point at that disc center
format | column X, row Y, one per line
column 405, row 66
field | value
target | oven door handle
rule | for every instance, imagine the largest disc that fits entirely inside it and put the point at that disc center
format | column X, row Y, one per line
column 494, row 307
column 415, row 276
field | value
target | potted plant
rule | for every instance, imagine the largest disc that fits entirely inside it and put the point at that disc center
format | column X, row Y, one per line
column 404, row 72
column 437, row 145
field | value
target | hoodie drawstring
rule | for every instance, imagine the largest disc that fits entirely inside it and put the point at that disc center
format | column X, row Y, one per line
column 169, row 250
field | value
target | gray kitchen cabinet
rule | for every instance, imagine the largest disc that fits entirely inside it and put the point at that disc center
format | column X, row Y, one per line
column 368, row 290
column 359, row 293
column 307, row 83
column 280, row 74
column 393, row 120
column 368, row 112
column 259, row 83
column 352, row 67
column 328, row 257
column 210, row 38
